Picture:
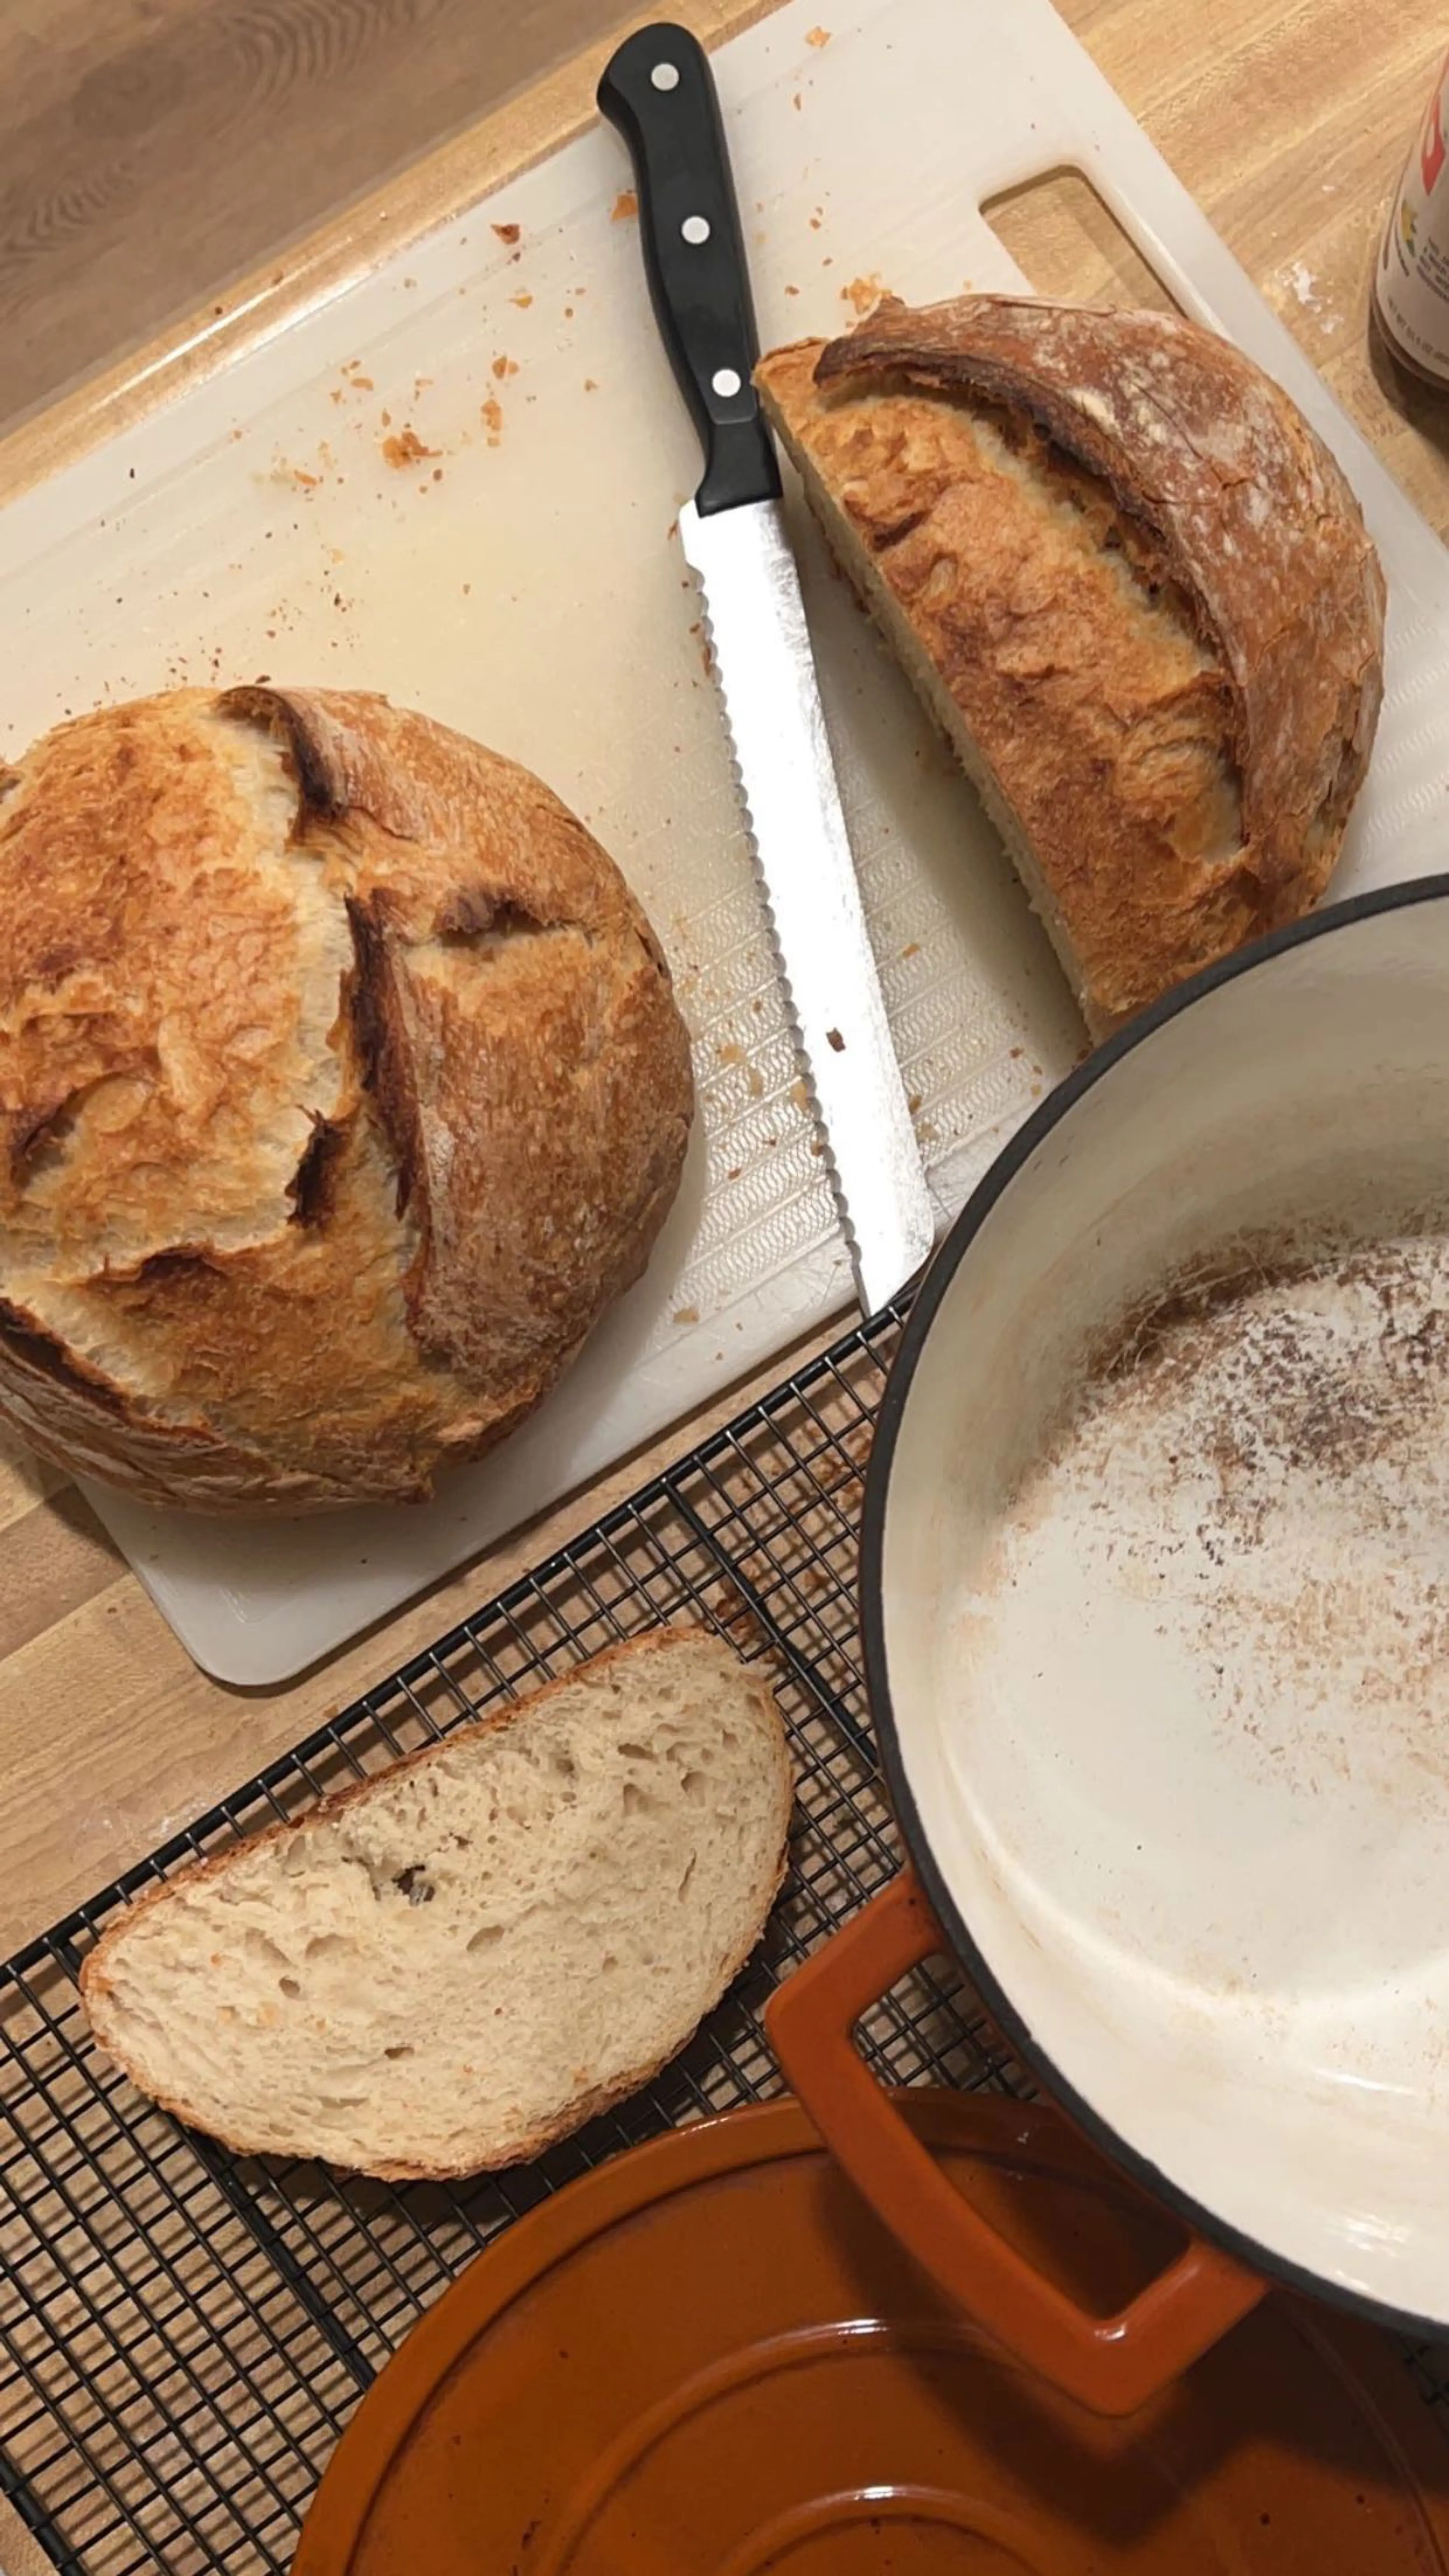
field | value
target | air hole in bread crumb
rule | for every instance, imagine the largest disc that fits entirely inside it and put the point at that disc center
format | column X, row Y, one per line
column 694, row 1786
column 485, row 1936
column 404, row 2048
column 636, row 1801
column 415, row 1884
column 688, row 1875
column 288, row 1986
column 637, row 1752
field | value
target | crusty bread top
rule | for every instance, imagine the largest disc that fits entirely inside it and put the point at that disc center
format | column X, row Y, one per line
column 341, row 1087
column 1176, row 494
column 465, row 1956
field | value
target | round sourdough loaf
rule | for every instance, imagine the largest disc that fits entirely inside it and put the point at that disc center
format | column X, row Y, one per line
column 342, row 1087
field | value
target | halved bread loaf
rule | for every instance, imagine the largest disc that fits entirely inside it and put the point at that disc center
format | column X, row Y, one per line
column 457, row 1962
column 1134, row 588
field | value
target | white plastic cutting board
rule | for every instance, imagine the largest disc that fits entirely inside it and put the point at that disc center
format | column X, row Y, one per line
column 521, row 578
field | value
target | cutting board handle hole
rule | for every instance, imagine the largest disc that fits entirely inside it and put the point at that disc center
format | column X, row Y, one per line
column 1068, row 242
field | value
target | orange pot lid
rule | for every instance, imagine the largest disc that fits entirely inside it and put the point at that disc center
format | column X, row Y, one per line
column 708, row 2358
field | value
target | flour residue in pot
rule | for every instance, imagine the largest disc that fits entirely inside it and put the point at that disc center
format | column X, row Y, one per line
column 1204, row 1656
column 1304, row 1410
column 1263, row 1454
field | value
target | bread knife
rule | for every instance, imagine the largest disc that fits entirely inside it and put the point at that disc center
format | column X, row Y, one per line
column 659, row 92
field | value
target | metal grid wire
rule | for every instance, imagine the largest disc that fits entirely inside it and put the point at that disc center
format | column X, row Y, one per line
column 184, row 2332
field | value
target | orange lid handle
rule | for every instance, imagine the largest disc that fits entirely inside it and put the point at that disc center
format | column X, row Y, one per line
column 1111, row 2364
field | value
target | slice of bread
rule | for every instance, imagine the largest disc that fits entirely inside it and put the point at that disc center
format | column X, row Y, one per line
column 459, row 1961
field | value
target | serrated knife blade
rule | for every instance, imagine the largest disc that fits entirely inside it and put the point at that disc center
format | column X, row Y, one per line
column 755, row 620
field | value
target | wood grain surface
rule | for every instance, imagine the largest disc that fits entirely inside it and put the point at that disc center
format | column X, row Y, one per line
column 151, row 151
column 19, row 2554
column 160, row 152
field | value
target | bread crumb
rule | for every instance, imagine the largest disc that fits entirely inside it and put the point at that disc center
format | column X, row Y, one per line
column 406, row 448
column 336, row 395
column 818, row 37
column 834, row 1039
column 625, row 204
column 734, row 1171
column 467, row 590
column 816, row 221
column 863, row 292
column 505, row 367
column 386, row 418
column 590, row 386
column 800, row 1095
column 729, row 1053
column 362, row 385
column 508, row 232
column 686, row 1314
column 792, row 290
column 309, row 482
column 491, row 414
column 913, row 1104
column 797, row 102
column 757, row 1086
column 912, row 948
column 522, row 299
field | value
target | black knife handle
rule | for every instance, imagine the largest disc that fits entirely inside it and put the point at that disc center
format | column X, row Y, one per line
column 659, row 91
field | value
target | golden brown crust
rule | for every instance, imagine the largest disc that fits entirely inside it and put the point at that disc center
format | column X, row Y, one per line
column 94, row 1979
column 1144, row 585
column 341, row 1088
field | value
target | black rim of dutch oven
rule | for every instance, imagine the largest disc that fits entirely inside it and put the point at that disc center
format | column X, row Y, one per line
column 935, row 1285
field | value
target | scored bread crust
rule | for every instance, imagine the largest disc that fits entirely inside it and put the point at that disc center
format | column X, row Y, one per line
column 1174, row 465
column 342, row 1087
column 95, row 1979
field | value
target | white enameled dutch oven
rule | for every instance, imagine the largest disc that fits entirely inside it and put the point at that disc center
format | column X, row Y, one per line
column 1156, row 1605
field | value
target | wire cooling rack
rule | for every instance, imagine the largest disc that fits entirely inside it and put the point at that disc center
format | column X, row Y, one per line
column 184, row 2332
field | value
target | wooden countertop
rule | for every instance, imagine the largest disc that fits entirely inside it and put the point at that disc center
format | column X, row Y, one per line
column 1288, row 122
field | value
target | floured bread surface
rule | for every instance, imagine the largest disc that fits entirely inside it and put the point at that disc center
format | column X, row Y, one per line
column 464, row 1958
column 1135, row 590
column 341, row 1088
